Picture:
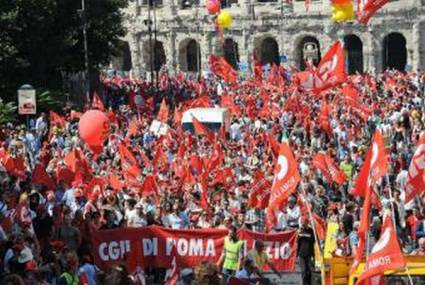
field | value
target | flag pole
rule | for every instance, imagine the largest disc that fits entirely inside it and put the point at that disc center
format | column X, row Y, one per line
column 312, row 222
column 406, row 268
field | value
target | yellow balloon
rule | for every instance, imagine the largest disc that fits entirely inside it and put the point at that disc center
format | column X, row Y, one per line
column 339, row 16
column 224, row 19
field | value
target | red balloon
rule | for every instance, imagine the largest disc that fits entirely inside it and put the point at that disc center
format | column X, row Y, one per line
column 94, row 128
column 213, row 6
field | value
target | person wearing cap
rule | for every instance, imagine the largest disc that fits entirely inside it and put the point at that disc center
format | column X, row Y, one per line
column 186, row 277
column 306, row 250
column 232, row 255
column 260, row 258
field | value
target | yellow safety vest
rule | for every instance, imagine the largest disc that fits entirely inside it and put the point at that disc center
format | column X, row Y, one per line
column 70, row 279
column 231, row 259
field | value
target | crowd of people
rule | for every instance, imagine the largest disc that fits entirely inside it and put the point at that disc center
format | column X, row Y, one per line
column 46, row 228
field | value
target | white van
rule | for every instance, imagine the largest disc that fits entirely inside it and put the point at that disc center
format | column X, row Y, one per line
column 213, row 118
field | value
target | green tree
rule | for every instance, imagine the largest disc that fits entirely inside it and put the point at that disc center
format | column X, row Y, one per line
column 42, row 38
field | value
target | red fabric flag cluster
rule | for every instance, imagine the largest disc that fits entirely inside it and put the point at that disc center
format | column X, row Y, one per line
column 415, row 184
column 221, row 68
column 367, row 8
column 329, row 170
column 386, row 254
column 329, row 73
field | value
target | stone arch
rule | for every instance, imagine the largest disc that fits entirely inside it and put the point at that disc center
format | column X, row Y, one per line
column 308, row 48
column 394, row 52
column 268, row 51
column 353, row 46
column 231, row 52
column 122, row 60
column 157, row 57
column 190, row 55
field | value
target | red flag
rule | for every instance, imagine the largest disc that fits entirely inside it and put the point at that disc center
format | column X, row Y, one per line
column 374, row 167
column 95, row 186
column 324, row 121
column 318, row 223
column 363, row 229
column 367, row 8
column 112, row 117
column 286, row 178
column 216, row 158
column 273, row 144
column 77, row 162
column 204, row 191
column 200, row 102
column 133, row 129
column 386, row 254
column 177, row 117
column 55, row 119
column 163, row 112
column 329, row 73
column 329, row 170
column 115, row 183
column 258, row 68
column 260, row 191
column 129, row 163
column 221, row 68
column 173, row 274
column 227, row 102
column 97, row 102
column 415, row 184
column 201, row 129
column 149, row 185
column 40, row 176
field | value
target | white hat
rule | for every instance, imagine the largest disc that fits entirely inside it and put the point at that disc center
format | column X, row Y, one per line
column 25, row 255
column 186, row 272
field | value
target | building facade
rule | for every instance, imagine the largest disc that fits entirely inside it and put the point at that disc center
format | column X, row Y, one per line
column 181, row 35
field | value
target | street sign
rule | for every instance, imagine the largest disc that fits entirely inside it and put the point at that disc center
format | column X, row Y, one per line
column 27, row 104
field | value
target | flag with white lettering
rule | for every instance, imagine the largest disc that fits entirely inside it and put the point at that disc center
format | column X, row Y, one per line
column 386, row 254
column 156, row 247
column 415, row 184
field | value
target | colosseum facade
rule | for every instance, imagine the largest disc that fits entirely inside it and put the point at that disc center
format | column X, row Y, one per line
column 181, row 35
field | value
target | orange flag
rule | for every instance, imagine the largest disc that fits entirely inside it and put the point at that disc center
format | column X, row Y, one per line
column 163, row 112
column 386, row 254
column 415, row 184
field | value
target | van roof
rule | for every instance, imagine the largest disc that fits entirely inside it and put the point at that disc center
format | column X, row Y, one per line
column 211, row 115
